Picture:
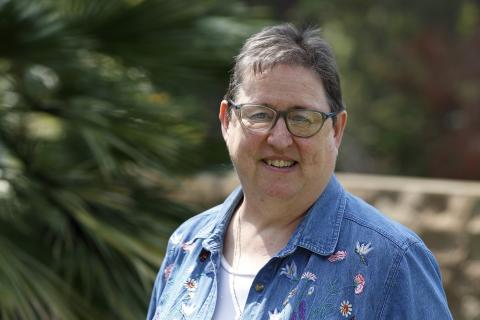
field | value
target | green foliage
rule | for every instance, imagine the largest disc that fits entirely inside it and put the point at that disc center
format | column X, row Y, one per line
column 97, row 116
column 408, row 73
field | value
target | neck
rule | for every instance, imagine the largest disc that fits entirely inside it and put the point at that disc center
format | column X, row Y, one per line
column 257, row 232
column 265, row 225
column 275, row 213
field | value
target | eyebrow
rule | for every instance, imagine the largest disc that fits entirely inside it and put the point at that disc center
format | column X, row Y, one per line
column 274, row 108
column 301, row 108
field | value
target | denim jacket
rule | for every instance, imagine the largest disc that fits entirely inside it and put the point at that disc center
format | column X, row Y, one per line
column 345, row 260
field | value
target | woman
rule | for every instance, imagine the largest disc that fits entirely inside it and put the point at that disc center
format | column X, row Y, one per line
column 291, row 243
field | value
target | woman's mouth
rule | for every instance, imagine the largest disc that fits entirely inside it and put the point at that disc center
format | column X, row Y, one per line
column 280, row 163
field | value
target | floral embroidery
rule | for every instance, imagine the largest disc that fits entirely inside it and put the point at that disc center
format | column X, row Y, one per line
column 345, row 308
column 362, row 250
column 291, row 294
column 309, row 276
column 359, row 283
column 168, row 271
column 276, row 315
column 310, row 290
column 188, row 310
column 325, row 305
column 338, row 256
column 301, row 311
column 176, row 238
column 188, row 247
column 290, row 271
column 191, row 285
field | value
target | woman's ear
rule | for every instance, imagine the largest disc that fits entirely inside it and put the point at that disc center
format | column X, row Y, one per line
column 224, row 117
column 339, row 127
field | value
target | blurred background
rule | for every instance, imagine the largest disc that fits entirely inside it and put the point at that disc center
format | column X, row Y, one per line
column 108, row 118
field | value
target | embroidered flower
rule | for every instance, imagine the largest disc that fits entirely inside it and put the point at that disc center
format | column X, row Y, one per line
column 359, row 283
column 191, row 284
column 345, row 308
column 168, row 271
column 310, row 290
column 291, row 294
column 301, row 310
column 276, row 315
column 176, row 238
column 338, row 256
column 362, row 250
column 188, row 246
column 290, row 271
column 188, row 310
column 309, row 276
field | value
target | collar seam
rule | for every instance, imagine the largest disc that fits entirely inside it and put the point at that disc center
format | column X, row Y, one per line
column 326, row 245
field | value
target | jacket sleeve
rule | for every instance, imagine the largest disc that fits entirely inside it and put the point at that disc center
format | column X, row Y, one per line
column 159, row 285
column 414, row 288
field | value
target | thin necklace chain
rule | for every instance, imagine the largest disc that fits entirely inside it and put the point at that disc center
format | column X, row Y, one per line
column 236, row 261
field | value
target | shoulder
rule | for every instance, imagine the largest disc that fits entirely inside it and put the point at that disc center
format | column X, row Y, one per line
column 380, row 244
column 212, row 220
column 181, row 259
column 199, row 224
column 396, row 260
column 361, row 217
column 186, row 241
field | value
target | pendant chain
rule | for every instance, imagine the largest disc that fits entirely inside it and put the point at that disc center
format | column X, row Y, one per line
column 236, row 261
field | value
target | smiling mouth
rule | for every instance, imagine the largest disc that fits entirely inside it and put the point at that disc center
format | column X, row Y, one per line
column 280, row 163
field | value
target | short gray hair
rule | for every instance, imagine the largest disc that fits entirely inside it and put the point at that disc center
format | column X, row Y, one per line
column 285, row 44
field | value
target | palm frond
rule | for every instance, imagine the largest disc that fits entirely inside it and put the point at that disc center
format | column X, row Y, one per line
column 95, row 122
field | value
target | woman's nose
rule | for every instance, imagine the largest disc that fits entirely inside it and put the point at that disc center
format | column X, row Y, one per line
column 279, row 137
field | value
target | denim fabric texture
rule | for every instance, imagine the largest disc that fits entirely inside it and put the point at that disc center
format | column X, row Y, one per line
column 345, row 260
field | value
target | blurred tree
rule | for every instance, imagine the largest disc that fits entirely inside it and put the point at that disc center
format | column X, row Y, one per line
column 411, row 75
column 98, row 108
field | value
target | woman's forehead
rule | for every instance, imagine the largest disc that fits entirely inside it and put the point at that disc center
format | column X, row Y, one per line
column 284, row 86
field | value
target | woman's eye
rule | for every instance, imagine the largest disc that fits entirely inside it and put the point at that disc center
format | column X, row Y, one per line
column 259, row 115
column 300, row 119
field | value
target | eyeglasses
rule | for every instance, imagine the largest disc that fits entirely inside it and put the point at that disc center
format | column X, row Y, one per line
column 302, row 123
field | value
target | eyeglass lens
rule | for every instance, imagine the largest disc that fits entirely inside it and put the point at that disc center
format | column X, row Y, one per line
column 301, row 123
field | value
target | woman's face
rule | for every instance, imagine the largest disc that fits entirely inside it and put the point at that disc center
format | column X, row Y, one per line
column 277, row 164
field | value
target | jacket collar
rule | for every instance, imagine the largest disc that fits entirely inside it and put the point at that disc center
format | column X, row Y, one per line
column 320, row 229
column 318, row 232
column 215, row 230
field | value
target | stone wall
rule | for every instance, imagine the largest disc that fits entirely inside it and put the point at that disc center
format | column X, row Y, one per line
column 446, row 214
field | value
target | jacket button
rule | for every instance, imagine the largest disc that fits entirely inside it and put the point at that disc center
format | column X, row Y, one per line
column 259, row 287
column 204, row 255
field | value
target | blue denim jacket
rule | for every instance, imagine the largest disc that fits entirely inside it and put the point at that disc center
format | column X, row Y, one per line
column 345, row 260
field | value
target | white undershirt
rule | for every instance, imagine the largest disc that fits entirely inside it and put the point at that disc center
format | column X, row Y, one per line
column 227, row 307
